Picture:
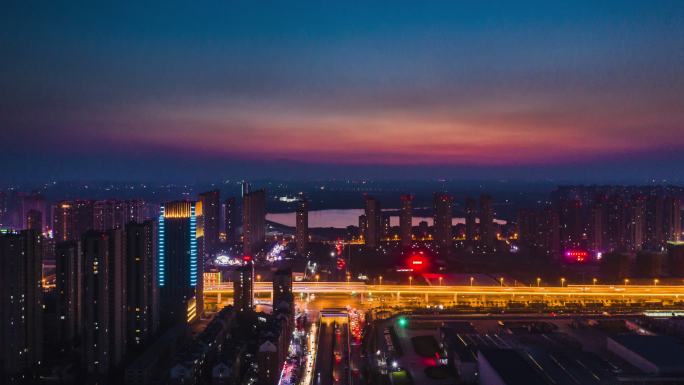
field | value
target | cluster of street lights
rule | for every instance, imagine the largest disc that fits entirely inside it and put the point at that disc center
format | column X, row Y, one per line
column 563, row 281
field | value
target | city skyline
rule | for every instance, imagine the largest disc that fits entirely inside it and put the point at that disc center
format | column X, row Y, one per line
column 580, row 92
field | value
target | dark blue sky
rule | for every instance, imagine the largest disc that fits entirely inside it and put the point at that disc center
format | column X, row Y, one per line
column 582, row 90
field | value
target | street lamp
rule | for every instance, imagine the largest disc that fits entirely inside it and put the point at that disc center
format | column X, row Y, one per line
column 440, row 281
column 258, row 277
column 501, row 281
column 562, row 282
column 538, row 281
column 317, row 277
column 655, row 282
column 410, row 280
column 471, row 280
column 380, row 279
column 594, row 281
column 626, row 281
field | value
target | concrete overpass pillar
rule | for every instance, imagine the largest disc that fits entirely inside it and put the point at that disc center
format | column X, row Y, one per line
column 218, row 298
column 426, row 298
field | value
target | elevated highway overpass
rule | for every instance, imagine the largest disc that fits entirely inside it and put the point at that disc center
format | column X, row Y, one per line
column 568, row 293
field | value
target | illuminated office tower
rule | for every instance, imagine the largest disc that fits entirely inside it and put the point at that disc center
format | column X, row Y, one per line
column 210, row 219
column 71, row 219
column 68, row 276
column 21, row 305
column 104, row 305
column 487, row 230
column 672, row 218
column 230, row 217
column 253, row 221
column 442, row 208
column 302, row 230
column 142, row 291
column 470, row 219
column 178, row 263
column 243, row 288
column 34, row 220
column 406, row 220
column 373, row 222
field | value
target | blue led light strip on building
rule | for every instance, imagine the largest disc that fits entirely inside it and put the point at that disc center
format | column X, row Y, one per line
column 193, row 246
column 161, row 261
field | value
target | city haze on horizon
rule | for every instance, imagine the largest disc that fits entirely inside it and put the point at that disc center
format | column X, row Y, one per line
column 583, row 92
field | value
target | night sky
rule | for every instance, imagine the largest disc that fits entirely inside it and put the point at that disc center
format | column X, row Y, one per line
column 584, row 90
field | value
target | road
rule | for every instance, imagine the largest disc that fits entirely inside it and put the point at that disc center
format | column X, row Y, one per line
column 324, row 356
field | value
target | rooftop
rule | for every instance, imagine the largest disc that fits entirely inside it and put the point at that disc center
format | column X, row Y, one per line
column 512, row 367
column 662, row 351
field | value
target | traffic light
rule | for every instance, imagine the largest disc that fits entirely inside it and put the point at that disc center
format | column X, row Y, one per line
column 402, row 321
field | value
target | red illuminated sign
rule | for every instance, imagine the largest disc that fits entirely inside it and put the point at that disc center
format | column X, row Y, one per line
column 577, row 255
column 417, row 262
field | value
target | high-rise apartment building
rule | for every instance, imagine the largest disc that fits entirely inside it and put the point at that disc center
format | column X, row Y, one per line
column 104, row 304
column 142, row 287
column 68, row 282
column 406, row 220
column 672, row 218
column 210, row 219
column 31, row 202
column 373, row 222
column 616, row 223
column 487, row 230
column 230, row 218
column 596, row 227
column 253, row 221
column 635, row 224
column 282, row 287
column 654, row 230
column 302, row 226
column 21, row 305
column 442, row 208
column 243, row 288
column 470, row 219
column 34, row 220
column 363, row 224
column 71, row 219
